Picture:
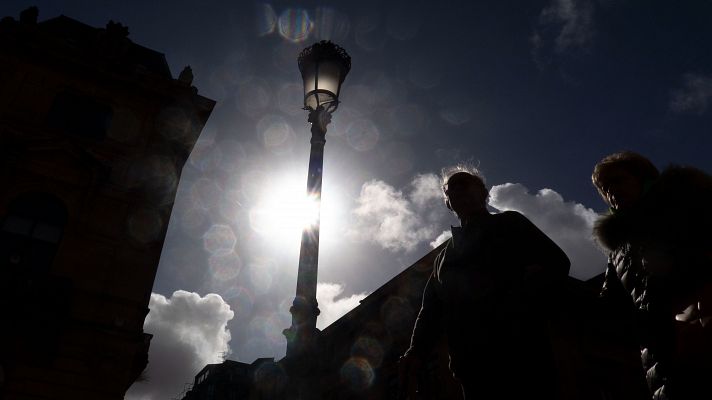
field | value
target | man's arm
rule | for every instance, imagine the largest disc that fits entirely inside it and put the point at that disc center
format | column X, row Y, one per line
column 428, row 327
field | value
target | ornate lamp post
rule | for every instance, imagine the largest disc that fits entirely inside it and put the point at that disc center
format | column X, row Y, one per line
column 324, row 67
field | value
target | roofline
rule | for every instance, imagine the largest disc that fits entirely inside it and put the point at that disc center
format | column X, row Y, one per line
column 384, row 288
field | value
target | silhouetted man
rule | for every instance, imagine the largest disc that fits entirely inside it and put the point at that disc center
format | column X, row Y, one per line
column 488, row 295
column 659, row 276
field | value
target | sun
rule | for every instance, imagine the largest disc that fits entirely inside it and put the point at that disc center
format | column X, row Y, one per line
column 284, row 210
column 290, row 211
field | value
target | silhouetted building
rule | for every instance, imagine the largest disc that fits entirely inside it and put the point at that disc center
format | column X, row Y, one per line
column 360, row 351
column 358, row 354
column 94, row 132
column 229, row 380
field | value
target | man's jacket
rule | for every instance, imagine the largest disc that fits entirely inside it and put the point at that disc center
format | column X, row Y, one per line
column 488, row 293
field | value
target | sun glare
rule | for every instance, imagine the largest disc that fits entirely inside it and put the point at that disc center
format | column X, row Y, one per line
column 292, row 212
column 284, row 210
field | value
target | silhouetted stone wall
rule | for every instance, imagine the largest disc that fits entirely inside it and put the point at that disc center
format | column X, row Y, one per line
column 94, row 132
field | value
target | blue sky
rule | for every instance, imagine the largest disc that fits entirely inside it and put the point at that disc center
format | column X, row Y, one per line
column 533, row 92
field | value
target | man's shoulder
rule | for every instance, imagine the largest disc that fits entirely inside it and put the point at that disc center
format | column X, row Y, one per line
column 437, row 263
column 511, row 217
column 510, row 214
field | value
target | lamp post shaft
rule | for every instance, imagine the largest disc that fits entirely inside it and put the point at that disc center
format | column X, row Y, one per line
column 309, row 251
column 301, row 336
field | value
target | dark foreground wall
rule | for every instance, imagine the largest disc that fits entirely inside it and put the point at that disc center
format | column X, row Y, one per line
column 94, row 132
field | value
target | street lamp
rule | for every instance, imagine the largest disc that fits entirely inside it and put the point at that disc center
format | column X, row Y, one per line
column 324, row 66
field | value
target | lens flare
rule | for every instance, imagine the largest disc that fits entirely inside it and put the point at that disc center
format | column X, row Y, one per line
column 422, row 73
column 290, row 99
column 331, row 24
column 457, row 115
column 240, row 299
column 205, row 194
column 398, row 157
column 253, row 183
column 283, row 56
column 396, row 313
column 219, row 239
column 368, row 33
column 236, row 155
column 362, row 135
column 357, row 373
column 231, row 205
column 206, row 155
column 404, row 20
column 277, row 134
column 365, row 97
column 267, row 327
column 225, row 266
column 158, row 175
column 266, row 19
column 238, row 68
column 176, row 124
column 369, row 349
column 145, row 225
column 270, row 379
column 294, row 24
column 253, row 97
column 407, row 120
column 261, row 274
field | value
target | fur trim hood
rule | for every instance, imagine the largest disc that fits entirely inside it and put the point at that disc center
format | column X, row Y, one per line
column 676, row 210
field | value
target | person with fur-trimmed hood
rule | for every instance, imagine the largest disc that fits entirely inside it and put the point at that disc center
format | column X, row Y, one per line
column 659, row 276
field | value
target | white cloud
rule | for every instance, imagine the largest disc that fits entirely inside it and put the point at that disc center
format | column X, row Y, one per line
column 332, row 308
column 401, row 222
column 441, row 238
column 567, row 223
column 189, row 332
column 426, row 188
column 397, row 221
column 563, row 25
column 693, row 96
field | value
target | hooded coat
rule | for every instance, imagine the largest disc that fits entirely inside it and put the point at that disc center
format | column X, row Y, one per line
column 659, row 277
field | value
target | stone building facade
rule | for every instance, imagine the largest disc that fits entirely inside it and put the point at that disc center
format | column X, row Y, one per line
column 94, row 132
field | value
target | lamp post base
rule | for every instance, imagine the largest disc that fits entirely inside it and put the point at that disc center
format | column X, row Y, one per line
column 303, row 359
column 302, row 336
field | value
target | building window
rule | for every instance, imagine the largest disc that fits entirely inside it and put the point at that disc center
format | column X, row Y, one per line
column 80, row 115
column 31, row 231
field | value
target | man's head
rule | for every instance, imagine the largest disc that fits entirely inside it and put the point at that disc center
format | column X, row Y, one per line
column 621, row 178
column 465, row 193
